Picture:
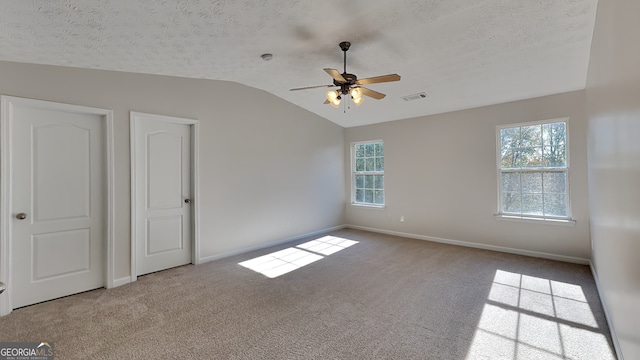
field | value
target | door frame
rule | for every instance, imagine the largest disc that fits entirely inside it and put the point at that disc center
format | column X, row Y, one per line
column 134, row 117
column 6, row 211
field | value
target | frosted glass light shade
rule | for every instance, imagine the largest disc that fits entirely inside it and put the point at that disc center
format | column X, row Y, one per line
column 356, row 93
column 334, row 98
column 332, row 95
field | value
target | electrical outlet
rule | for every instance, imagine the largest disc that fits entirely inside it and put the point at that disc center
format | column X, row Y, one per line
column 402, row 218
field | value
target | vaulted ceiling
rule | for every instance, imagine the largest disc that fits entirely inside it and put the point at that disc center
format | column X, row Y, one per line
column 461, row 53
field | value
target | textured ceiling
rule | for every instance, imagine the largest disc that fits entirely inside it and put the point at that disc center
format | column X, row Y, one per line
column 462, row 53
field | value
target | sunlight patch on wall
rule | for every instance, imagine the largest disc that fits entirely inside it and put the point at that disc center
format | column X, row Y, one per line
column 527, row 317
column 284, row 261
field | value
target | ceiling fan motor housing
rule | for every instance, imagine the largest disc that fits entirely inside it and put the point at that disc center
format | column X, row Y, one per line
column 346, row 85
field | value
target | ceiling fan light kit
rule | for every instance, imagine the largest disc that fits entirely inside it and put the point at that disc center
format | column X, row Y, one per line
column 349, row 85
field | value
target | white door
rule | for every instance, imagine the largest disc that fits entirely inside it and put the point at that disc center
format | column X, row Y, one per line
column 163, row 196
column 58, row 192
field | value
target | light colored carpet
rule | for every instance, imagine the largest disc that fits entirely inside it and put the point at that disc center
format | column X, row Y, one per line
column 384, row 297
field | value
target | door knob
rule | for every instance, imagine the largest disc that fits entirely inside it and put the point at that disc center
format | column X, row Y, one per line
column 21, row 216
column 187, row 201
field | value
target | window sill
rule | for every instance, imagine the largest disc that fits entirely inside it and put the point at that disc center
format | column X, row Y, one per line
column 366, row 206
column 562, row 222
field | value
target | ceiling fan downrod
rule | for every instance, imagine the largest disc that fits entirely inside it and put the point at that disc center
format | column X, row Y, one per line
column 345, row 45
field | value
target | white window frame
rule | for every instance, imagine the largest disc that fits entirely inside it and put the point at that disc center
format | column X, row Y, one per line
column 354, row 173
column 567, row 220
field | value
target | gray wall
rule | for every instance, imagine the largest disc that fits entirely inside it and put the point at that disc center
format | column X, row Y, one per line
column 269, row 170
column 440, row 174
column 613, row 103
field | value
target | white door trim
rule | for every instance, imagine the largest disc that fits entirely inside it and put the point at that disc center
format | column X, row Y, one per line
column 195, row 184
column 6, row 105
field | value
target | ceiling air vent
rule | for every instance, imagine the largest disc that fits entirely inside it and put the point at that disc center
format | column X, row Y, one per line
column 417, row 96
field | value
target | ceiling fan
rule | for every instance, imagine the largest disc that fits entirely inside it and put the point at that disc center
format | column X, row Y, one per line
column 349, row 84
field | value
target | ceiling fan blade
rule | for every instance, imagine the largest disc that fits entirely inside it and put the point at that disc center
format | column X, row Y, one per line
column 370, row 93
column 312, row 87
column 378, row 79
column 335, row 74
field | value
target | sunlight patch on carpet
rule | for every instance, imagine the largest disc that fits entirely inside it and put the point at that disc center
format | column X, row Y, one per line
column 527, row 317
column 285, row 261
column 327, row 245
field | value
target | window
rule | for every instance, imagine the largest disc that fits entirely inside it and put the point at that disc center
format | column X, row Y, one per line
column 367, row 163
column 534, row 170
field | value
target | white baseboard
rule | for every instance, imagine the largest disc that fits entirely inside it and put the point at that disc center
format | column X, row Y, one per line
column 614, row 337
column 504, row 249
column 266, row 245
column 122, row 281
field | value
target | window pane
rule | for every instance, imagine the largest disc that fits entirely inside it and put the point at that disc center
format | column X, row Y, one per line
column 532, row 157
column 520, row 158
column 378, row 197
column 368, row 181
column 369, row 150
column 379, row 149
column 511, row 182
column 359, row 150
column 524, row 156
column 379, row 182
column 554, row 134
column 369, row 164
column 531, row 136
column 359, row 164
column 379, row 164
column 359, row 181
column 531, row 182
column 511, row 202
column 532, row 204
column 368, row 196
column 555, row 156
column 510, row 138
column 555, row 205
column 508, row 159
column 560, row 129
column 555, row 182
column 546, row 134
column 359, row 195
